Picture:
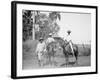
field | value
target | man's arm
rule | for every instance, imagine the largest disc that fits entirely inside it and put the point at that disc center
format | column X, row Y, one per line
column 36, row 51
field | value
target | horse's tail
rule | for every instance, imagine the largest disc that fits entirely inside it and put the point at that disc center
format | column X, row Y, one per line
column 76, row 51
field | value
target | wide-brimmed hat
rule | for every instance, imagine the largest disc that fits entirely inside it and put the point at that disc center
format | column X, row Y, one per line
column 69, row 31
column 50, row 34
column 41, row 38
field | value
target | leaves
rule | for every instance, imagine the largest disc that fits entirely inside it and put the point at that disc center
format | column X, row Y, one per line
column 54, row 15
column 27, row 24
column 46, row 23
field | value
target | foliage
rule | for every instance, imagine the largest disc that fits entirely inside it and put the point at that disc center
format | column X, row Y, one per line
column 47, row 24
column 27, row 24
column 84, row 50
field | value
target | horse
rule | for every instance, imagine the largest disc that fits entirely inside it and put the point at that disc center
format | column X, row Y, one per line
column 51, row 51
column 66, row 49
column 58, row 44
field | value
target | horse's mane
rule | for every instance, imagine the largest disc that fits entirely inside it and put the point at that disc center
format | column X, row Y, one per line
column 57, row 38
column 60, row 40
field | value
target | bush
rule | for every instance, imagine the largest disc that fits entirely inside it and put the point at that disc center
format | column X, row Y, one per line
column 84, row 51
column 29, row 48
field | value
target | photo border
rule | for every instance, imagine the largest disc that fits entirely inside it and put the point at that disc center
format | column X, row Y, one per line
column 14, row 38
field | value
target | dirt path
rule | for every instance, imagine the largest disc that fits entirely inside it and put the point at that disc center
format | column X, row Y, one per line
column 32, row 62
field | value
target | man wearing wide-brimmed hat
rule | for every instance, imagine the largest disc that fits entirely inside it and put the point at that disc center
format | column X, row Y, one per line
column 50, row 38
column 69, row 40
column 40, row 49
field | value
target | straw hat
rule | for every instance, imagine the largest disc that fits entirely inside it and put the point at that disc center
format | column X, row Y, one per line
column 69, row 31
column 50, row 34
column 41, row 38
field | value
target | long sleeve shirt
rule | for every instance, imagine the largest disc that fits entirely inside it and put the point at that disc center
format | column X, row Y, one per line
column 50, row 39
column 68, row 38
column 40, row 47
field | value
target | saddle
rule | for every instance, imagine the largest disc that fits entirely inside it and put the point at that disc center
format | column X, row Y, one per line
column 68, row 48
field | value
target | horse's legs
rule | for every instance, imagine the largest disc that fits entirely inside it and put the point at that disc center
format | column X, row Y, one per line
column 66, row 55
column 55, row 63
column 67, row 60
column 49, row 57
column 53, row 60
column 76, row 60
column 76, row 57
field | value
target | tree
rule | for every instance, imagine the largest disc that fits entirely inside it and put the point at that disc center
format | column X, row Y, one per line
column 53, row 16
column 27, row 24
column 47, row 24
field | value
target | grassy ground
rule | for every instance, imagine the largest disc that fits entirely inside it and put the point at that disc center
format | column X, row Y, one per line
column 30, row 59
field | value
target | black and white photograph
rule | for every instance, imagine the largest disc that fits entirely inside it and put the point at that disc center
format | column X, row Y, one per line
column 55, row 39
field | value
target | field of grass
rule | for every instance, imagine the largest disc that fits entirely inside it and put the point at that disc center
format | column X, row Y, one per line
column 30, row 59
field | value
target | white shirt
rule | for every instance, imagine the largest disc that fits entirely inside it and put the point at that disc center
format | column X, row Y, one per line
column 40, row 47
column 68, row 38
column 50, row 39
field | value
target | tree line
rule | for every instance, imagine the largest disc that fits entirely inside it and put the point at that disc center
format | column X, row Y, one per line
column 42, row 23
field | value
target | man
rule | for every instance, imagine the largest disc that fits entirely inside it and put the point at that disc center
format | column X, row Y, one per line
column 69, row 40
column 50, row 39
column 41, row 48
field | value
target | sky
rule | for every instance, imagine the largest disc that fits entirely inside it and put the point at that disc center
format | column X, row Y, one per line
column 79, row 24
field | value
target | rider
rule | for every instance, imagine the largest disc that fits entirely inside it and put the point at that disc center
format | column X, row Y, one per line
column 70, row 41
column 50, row 38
